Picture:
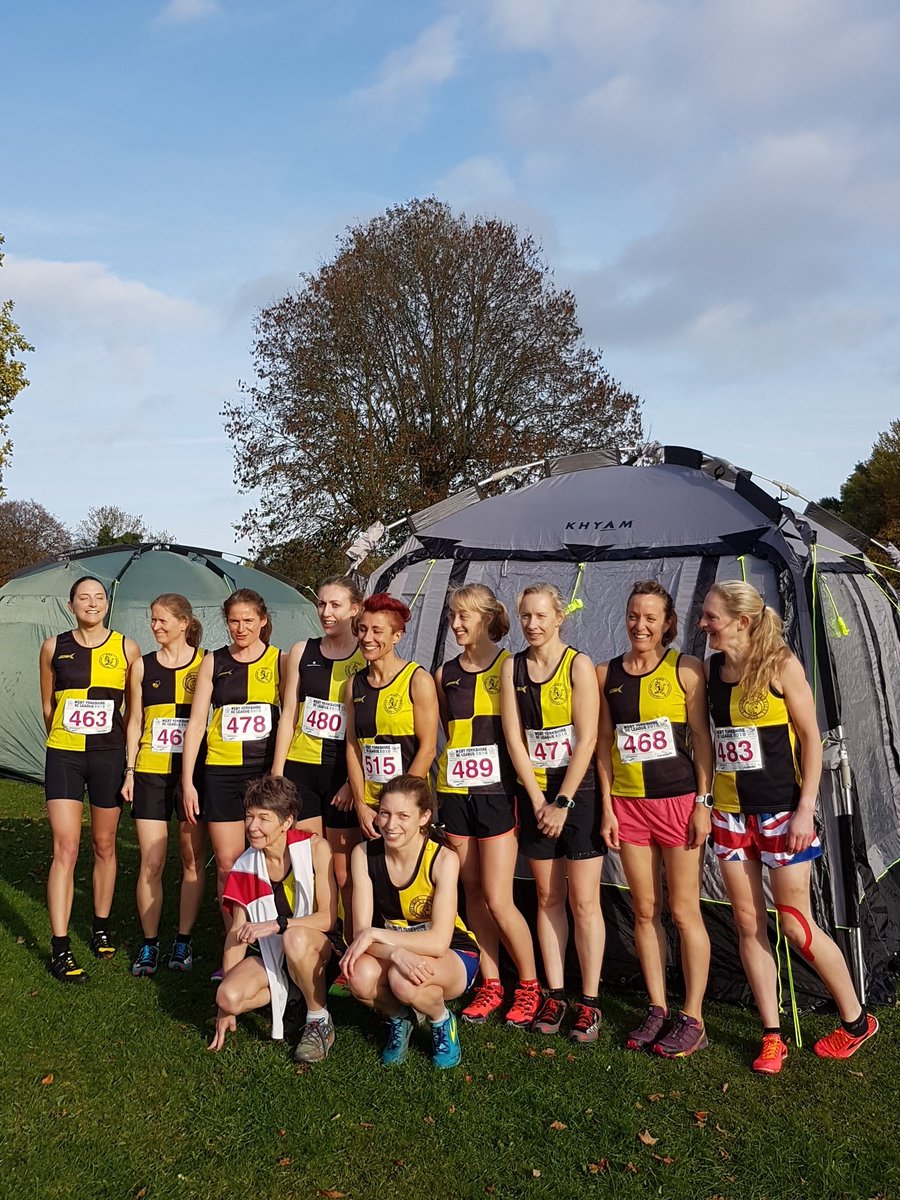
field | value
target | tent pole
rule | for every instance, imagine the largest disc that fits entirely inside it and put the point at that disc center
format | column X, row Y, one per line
column 858, row 963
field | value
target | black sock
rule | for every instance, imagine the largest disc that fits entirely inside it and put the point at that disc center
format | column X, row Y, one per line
column 60, row 945
column 557, row 994
column 183, row 937
column 590, row 1001
column 772, row 1029
column 101, row 924
column 858, row 1027
column 154, row 942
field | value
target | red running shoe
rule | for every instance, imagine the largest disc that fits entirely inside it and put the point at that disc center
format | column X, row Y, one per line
column 525, row 1005
column 840, row 1044
column 550, row 1017
column 772, row 1055
column 487, row 999
column 586, row 1026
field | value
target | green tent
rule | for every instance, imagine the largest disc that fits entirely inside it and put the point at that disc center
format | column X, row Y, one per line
column 33, row 606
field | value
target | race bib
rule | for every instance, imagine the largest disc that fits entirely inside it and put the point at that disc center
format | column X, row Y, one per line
column 246, row 722
column 550, row 747
column 473, row 766
column 381, row 763
column 167, row 735
column 88, row 716
column 738, row 749
column 324, row 718
column 646, row 741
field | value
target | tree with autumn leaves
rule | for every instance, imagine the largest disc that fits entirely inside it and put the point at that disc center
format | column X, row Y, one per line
column 432, row 350
column 12, row 373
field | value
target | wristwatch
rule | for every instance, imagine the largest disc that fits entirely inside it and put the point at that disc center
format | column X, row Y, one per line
column 282, row 924
column 562, row 801
column 704, row 798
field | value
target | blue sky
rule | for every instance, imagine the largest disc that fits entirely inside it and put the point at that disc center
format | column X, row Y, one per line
column 718, row 181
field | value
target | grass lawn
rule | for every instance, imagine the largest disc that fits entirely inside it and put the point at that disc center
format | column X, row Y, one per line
column 108, row 1090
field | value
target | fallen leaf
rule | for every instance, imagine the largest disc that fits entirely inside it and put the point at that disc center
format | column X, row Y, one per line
column 490, row 1077
column 589, row 1112
column 428, row 1120
column 858, row 1074
column 549, row 1052
column 490, row 1189
column 535, row 1172
column 647, row 1138
column 664, row 1159
column 331, row 1194
column 367, row 1125
column 282, row 1132
column 468, row 1078
column 638, row 1105
column 723, row 1154
column 489, row 1046
column 724, row 1132
column 675, row 1095
column 34, row 993
column 140, row 1194
column 602, row 1164
column 558, row 1125
column 285, row 1161
column 336, row 1117
column 724, row 1088
column 452, row 1108
column 399, row 1162
column 631, row 1167
column 531, row 1052
column 20, row 941
column 47, row 1079
column 570, row 1058
column 700, row 1118
column 654, row 1096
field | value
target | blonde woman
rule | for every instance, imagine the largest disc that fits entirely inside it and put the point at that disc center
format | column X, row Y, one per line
column 476, row 797
column 768, row 759
column 550, row 706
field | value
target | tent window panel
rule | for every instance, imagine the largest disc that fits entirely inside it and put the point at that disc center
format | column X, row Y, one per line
column 869, row 703
column 425, row 597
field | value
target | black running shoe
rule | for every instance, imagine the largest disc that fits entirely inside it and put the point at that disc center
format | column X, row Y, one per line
column 101, row 946
column 64, row 968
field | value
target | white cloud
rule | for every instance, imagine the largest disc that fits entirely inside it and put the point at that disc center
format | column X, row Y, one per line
column 87, row 299
column 182, row 12
column 408, row 75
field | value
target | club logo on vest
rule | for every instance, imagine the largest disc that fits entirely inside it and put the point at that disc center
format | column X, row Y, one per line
column 393, row 704
column 190, row 682
column 559, row 693
column 265, row 674
column 109, row 661
column 350, row 670
column 420, row 908
column 659, row 689
column 156, row 683
column 754, row 707
column 492, row 684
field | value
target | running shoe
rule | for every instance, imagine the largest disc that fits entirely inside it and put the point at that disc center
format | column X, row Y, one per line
column 445, row 1051
column 340, row 987
column 840, row 1044
column 525, row 1005
column 487, row 999
column 772, row 1055
column 550, row 1016
column 586, row 1026
column 101, row 946
column 147, row 961
column 64, row 968
column 649, row 1030
column 181, row 957
column 316, row 1040
column 684, row 1036
column 399, row 1031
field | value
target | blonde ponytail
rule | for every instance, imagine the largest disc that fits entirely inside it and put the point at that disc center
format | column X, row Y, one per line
column 766, row 629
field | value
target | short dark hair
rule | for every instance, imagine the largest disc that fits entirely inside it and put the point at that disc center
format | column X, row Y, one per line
column 274, row 793
column 86, row 579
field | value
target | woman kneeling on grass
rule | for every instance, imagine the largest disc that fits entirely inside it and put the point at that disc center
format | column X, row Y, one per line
column 411, row 950
column 282, row 898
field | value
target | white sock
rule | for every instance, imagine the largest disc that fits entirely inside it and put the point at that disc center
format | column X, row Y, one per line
column 317, row 1014
column 445, row 1016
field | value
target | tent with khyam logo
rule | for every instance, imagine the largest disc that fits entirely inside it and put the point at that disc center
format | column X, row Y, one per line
column 33, row 606
column 594, row 528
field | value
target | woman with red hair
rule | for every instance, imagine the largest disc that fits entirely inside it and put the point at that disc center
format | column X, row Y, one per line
column 392, row 710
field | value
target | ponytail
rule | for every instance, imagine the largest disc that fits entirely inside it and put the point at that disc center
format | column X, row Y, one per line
column 766, row 629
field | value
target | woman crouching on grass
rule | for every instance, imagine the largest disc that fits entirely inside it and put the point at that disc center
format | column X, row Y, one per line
column 282, row 898
column 411, row 950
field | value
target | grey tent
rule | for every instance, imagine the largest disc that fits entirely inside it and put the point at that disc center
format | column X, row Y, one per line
column 33, row 606
column 689, row 520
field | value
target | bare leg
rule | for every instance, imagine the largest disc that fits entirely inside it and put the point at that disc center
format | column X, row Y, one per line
column 65, row 824
column 104, row 824
column 448, row 980
column 478, row 916
column 306, row 952
column 552, row 921
column 498, row 863
column 227, row 838
column 192, row 844
column 683, row 872
column 590, row 931
column 641, row 865
column 342, row 842
column 743, row 883
column 153, row 839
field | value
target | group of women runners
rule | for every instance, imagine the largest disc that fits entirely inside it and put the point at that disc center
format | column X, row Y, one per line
column 309, row 772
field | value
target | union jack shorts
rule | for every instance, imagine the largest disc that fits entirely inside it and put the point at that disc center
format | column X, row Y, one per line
column 757, row 837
